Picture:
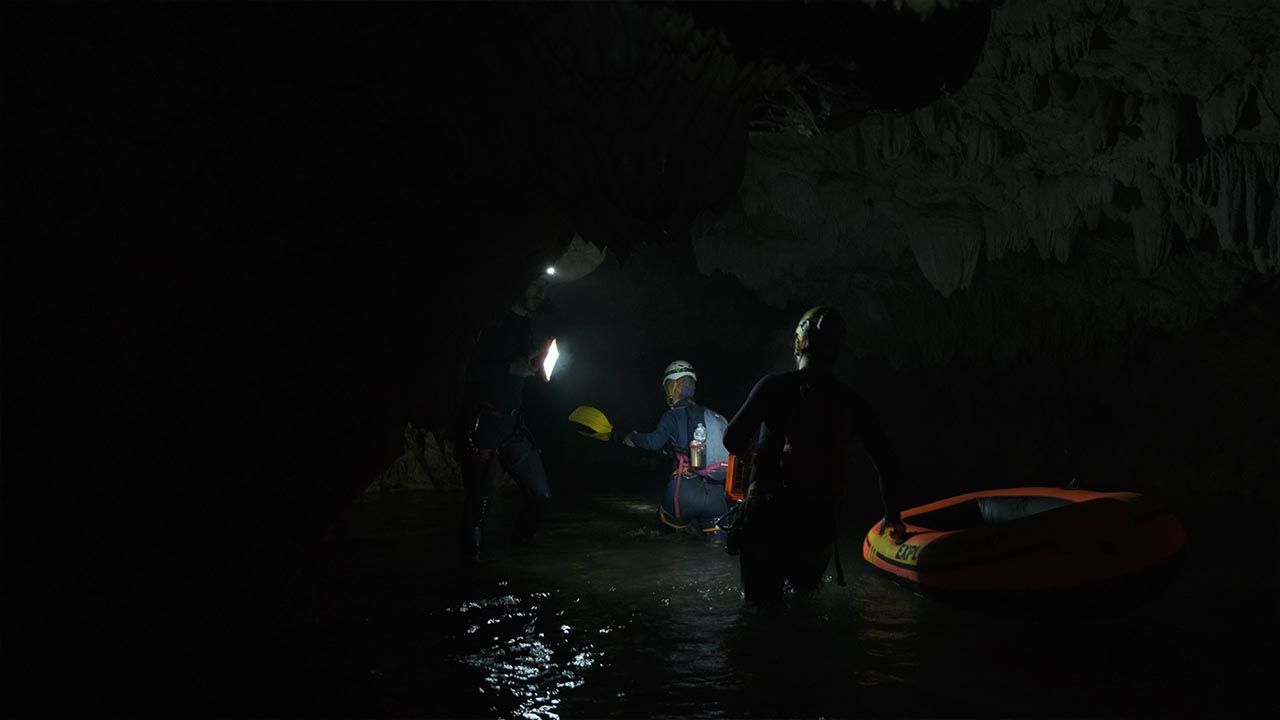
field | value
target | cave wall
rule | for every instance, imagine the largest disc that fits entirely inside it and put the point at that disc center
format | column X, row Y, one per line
column 1129, row 117
column 1019, row 254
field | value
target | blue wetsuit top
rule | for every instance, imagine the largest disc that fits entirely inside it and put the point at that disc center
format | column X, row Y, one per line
column 673, row 431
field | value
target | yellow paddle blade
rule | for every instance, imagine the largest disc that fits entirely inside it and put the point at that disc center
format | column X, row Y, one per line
column 593, row 419
column 602, row 436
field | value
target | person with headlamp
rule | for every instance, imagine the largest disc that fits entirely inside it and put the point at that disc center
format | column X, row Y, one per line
column 797, row 427
column 494, row 430
column 692, row 434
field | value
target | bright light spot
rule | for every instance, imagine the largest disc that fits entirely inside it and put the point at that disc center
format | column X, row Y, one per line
column 549, row 363
column 551, row 271
column 521, row 663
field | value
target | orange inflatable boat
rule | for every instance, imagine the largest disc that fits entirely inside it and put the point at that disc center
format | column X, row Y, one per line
column 1028, row 539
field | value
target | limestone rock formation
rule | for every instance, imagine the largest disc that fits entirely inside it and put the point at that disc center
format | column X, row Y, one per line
column 1107, row 157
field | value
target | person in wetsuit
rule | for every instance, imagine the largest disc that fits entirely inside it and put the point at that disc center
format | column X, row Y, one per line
column 692, row 498
column 800, row 425
column 494, row 429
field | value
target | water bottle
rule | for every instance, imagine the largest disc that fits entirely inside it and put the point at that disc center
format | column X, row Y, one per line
column 698, row 448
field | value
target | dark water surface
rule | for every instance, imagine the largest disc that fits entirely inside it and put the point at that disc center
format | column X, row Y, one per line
column 613, row 617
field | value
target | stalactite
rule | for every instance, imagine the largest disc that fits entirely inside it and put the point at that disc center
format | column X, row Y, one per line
column 1229, row 209
column 1260, row 206
column 946, row 247
column 793, row 197
column 1273, row 237
column 1151, row 227
column 1006, row 231
column 1160, row 129
column 1220, row 113
column 1027, row 159
column 1198, row 179
column 981, row 143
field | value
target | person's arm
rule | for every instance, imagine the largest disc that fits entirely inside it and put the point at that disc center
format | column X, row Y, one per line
column 883, row 457
column 742, row 429
column 658, row 439
column 495, row 356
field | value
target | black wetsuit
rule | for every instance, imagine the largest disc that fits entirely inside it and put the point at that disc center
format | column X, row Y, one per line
column 806, row 421
column 495, row 431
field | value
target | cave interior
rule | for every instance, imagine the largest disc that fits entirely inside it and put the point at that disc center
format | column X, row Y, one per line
column 250, row 247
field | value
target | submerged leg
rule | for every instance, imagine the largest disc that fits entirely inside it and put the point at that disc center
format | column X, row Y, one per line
column 524, row 463
column 479, row 469
column 760, row 553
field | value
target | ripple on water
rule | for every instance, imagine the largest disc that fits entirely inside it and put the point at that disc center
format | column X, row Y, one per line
column 524, row 668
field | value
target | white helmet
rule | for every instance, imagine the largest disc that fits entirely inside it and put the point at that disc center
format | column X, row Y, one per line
column 679, row 369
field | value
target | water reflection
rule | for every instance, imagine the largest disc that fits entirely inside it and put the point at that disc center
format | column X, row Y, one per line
column 615, row 617
column 522, row 662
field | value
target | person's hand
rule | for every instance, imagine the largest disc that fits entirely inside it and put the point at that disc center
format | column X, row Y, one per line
column 524, row 367
column 627, row 441
column 896, row 530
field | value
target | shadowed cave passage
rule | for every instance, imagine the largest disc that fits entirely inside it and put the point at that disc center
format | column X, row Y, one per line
column 250, row 249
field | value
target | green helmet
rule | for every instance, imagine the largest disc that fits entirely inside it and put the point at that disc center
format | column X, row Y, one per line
column 820, row 333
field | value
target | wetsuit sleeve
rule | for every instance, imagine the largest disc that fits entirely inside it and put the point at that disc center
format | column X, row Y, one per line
column 492, row 355
column 744, row 425
column 658, row 439
column 888, row 470
column 489, row 372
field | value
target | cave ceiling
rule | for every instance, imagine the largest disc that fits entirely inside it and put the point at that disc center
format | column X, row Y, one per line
column 1105, row 164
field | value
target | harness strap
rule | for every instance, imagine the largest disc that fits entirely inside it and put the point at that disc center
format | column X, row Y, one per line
column 697, row 414
column 676, row 500
column 683, row 468
column 835, row 521
column 839, row 567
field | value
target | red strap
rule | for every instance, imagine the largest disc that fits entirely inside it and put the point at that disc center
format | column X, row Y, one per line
column 680, row 465
column 706, row 471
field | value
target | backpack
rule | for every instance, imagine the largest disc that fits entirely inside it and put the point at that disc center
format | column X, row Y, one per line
column 717, row 455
